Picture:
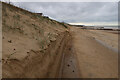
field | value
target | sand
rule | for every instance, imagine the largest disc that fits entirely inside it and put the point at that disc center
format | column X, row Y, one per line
column 109, row 38
column 33, row 47
column 69, row 67
column 94, row 59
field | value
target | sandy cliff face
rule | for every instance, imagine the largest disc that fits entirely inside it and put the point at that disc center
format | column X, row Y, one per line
column 32, row 44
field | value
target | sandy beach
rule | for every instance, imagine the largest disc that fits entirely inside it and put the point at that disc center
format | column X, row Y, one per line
column 36, row 46
column 96, row 59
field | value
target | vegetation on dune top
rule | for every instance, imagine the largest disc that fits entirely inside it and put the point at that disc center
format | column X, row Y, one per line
column 33, row 15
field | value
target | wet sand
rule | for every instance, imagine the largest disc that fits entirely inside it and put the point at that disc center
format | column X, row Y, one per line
column 107, row 37
column 94, row 59
column 69, row 66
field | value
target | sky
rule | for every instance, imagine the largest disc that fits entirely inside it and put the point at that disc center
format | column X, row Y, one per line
column 79, row 13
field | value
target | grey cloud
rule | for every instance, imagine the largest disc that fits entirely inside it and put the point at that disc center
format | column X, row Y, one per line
column 75, row 11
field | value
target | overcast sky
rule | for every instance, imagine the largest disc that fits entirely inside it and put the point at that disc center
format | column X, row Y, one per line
column 88, row 13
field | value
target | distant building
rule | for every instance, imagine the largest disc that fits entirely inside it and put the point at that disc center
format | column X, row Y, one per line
column 40, row 14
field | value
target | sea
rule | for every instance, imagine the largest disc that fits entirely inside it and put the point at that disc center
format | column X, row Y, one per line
column 110, row 27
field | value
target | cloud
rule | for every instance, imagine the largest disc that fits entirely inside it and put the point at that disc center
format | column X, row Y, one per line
column 62, row 0
column 75, row 12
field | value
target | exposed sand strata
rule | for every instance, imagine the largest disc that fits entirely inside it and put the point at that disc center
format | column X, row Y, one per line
column 32, row 45
column 37, row 64
column 94, row 59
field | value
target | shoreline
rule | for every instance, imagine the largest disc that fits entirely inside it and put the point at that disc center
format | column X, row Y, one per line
column 100, row 28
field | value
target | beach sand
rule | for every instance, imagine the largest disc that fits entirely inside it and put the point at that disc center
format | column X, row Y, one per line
column 96, row 59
